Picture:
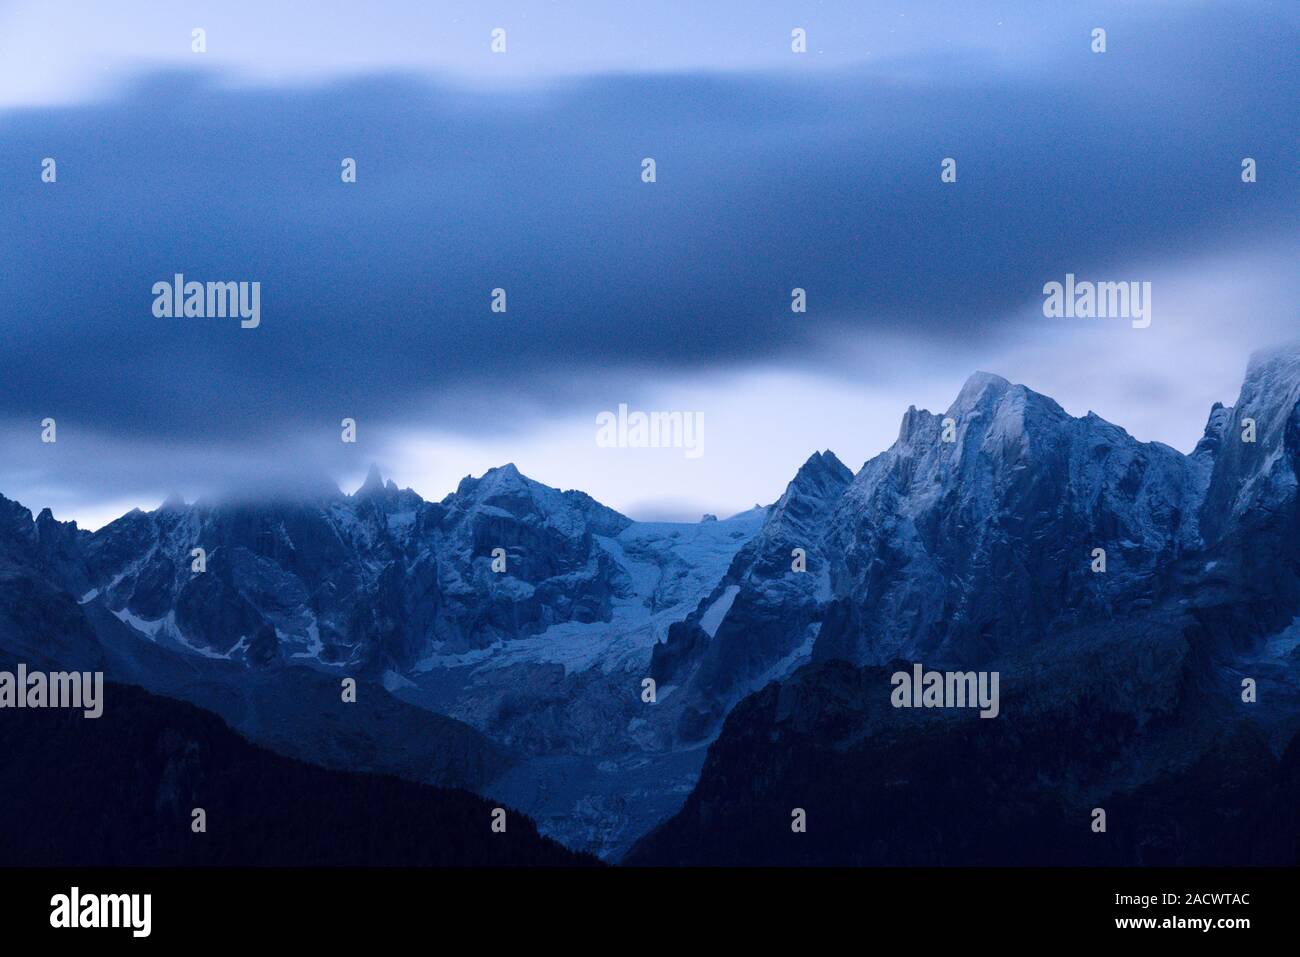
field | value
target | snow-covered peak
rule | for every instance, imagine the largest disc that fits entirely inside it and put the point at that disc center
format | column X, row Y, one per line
column 988, row 407
column 1254, row 445
column 935, row 535
column 499, row 482
column 506, row 476
column 981, row 387
column 1011, row 406
column 505, row 490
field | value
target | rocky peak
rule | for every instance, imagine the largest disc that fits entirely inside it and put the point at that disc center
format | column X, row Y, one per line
column 810, row 497
column 373, row 485
column 822, row 470
column 16, row 523
column 981, row 389
column 1254, row 446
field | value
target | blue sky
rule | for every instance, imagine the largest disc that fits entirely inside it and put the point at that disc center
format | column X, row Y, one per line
column 521, row 171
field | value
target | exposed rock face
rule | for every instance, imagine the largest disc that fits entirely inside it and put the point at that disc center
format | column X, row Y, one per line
column 761, row 618
column 555, row 571
column 40, row 622
column 976, row 534
column 958, row 551
column 1165, row 690
column 372, row 580
column 1247, row 582
column 526, row 611
column 143, row 617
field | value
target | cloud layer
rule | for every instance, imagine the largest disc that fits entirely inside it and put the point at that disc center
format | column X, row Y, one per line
column 375, row 296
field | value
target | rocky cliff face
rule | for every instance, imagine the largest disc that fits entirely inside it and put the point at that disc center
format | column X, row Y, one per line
column 1247, row 579
column 128, row 629
column 981, row 532
column 1165, row 690
column 958, row 551
column 373, row 580
column 759, row 622
column 508, row 623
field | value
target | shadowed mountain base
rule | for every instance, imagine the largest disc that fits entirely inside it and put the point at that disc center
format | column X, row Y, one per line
column 1185, row 772
column 121, row 789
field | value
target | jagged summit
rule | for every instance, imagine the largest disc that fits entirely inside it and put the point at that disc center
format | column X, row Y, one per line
column 1216, row 427
column 822, row 460
column 820, row 469
column 935, row 539
column 929, row 547
column 820, row 480
column 984, row 397
column 374, row 482
column 916, row 422
column 498, row 480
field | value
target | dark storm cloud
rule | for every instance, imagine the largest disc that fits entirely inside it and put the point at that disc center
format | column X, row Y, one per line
column 375, row 296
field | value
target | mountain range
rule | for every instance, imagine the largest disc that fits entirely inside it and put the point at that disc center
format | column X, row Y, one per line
column 502, row 638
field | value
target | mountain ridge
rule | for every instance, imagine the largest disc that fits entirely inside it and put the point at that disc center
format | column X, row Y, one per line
column 510, row 626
